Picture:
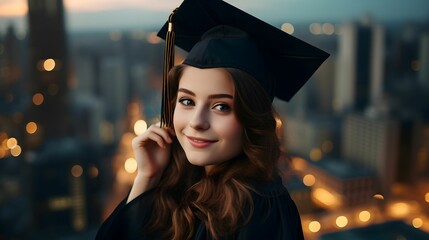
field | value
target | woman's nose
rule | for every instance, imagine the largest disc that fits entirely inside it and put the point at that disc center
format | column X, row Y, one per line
column 200, row 119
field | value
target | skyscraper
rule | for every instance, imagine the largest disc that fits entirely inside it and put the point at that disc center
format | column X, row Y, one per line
column 372, row 142
column 424, row 61
column 48, row 68
column 360, row 72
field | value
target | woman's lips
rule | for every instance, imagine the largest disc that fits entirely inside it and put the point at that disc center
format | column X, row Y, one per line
column 200, row 142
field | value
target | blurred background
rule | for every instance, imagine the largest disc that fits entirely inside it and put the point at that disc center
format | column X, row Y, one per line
column 80, row 78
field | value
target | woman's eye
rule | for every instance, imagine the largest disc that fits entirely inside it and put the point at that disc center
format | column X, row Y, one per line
column 186, row 102
column 222, row 107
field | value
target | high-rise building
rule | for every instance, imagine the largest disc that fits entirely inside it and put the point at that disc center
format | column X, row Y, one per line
column 372, row 142
column 423, row 74
column 48, row 69
column 360, row 71
column 313, row 137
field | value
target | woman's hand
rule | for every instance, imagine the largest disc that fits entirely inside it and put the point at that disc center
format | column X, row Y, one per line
column 152, row 153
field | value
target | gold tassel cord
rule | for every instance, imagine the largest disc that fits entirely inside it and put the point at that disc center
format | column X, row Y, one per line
column 166, row 111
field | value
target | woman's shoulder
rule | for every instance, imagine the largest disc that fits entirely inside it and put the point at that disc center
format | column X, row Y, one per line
column 269, row 189
column 274, row 215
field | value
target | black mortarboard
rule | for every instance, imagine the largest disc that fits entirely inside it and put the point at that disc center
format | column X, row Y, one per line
column 217, row 34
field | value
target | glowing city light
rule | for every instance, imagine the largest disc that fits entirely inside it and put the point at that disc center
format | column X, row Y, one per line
column 316, row 28
column 11, row 143
column 325, row 197
column 49, row 64
column 379, row 196
column 152, row 38
column 364, row 216
column 309, row 180
column 315, row 154
column 31, row 127
column 76, row 171
column 140, row 127
column 288, row 28
column 341, row 221
column 427, row 197
column 314, row 226
column 38, row 99
column 299, row 163
column 130, row 165
column 399, row 209
column 328, row 28
column 417, row 222
column 93, row 172
column 16, row 151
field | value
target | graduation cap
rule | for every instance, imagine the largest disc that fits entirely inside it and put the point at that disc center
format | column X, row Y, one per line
column 217, row 34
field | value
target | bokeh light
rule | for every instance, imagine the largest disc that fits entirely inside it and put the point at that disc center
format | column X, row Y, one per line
column 140, row 127
column 11, row 143
column 49, row 64
column 77, row 171
column 130, row 165
column 309, row 180
column 314, row 226
column 38, row 99
column 364, row 216
column 341, row 221
column 417, row 222
column 16, row 151
column 31, row 127
column 288, row 28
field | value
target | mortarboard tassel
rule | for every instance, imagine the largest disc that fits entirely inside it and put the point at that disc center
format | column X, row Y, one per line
column 166, row 111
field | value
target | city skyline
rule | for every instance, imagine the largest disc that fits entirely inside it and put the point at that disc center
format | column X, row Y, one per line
column 354, row 161
column 115, row 14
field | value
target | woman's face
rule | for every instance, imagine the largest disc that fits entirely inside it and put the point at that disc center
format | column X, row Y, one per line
column 204, row 117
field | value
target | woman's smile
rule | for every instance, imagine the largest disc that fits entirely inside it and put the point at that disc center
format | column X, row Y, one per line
column 200, row 142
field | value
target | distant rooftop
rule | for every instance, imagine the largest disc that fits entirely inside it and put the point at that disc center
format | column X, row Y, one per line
column 392, row 230
column 342, row 169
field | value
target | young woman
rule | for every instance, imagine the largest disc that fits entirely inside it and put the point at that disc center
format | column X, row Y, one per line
column 209, row 172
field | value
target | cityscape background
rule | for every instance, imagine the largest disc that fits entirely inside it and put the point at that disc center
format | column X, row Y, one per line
column 79, row 79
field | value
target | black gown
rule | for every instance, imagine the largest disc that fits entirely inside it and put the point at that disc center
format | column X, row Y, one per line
column 275, row 216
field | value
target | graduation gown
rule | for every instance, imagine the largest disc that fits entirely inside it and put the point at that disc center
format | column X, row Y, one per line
column 275, row 216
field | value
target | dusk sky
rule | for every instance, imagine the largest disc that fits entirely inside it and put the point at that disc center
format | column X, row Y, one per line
column 114, row 14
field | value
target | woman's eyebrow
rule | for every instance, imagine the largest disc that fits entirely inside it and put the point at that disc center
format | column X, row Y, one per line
column 212, row 96
column 184, row 90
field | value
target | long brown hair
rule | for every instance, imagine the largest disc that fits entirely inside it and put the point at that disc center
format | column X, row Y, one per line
column 221, row 199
